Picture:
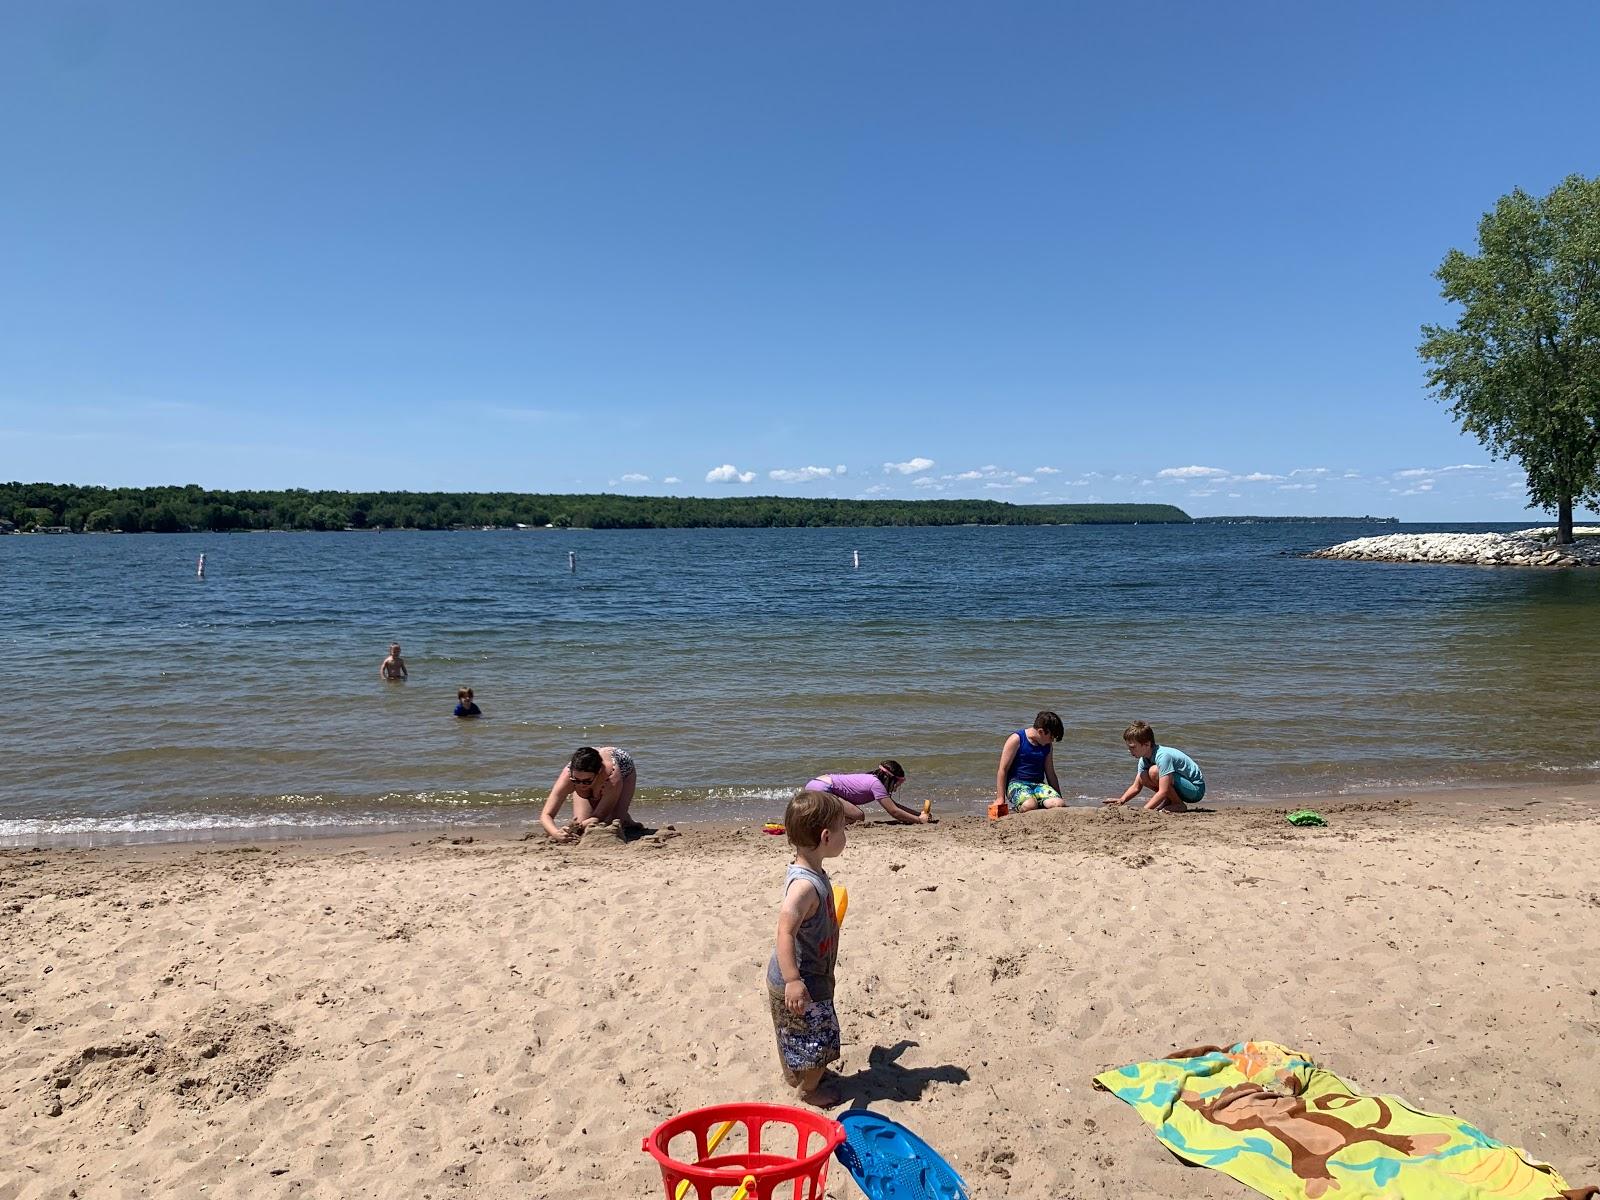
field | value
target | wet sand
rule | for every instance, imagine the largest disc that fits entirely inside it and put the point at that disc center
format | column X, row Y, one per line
column 429, row 1017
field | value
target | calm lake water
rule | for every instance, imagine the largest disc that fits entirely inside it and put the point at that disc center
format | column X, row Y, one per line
column 734, row 664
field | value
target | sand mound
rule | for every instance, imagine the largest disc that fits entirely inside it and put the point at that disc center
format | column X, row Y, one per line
column 225, row 1052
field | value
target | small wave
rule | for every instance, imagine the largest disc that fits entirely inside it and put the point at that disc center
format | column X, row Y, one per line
column 200, row 827
column 680, row 795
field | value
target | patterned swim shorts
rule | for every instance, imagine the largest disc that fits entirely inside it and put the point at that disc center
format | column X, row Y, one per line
column 806, row 1040
column 623, row 761
column 1019, row 792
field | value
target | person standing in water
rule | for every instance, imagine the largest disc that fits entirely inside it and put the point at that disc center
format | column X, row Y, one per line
column 394, row 667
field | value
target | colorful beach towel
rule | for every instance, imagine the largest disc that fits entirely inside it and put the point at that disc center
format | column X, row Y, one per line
column 1279, row 1123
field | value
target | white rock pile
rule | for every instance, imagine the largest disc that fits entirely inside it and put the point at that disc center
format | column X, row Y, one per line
column 1525, row 548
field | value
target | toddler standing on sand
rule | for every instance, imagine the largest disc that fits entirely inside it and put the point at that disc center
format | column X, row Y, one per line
column 800, row 971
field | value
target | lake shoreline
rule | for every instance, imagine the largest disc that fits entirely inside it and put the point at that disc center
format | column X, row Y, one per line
column 1534, row 547
column 1459, row 803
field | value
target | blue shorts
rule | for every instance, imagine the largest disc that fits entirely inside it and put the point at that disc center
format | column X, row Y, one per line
column 1188, row 790
column 806, row 1040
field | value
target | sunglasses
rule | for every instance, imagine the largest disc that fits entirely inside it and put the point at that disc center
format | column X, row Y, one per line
column 582, row 782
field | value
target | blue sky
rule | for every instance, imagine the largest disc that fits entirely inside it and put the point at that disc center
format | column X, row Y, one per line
column 1024, row 251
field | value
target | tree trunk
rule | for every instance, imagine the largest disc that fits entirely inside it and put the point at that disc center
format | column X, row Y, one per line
column 1564, row 521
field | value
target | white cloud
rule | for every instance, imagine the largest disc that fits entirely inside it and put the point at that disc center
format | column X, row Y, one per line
column 672, row 479
column 910, row 467
column 841, row 469
column 1255, row 477
column 1047, row 470
column 970, row 475
column 1309, row 471
column 878, row 489
column 1297, row 487
column 1190, row 473
column 728, row 473
column 800, row 474
column 635, row 477
column 927, row 481
column 1026, row 479
column 1419, row 472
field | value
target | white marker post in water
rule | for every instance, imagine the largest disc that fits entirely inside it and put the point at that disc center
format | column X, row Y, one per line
column 572, row 562
column 200, row 568
column 855, row 559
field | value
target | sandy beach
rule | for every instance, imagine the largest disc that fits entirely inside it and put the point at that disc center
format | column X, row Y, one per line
column 506, row 1017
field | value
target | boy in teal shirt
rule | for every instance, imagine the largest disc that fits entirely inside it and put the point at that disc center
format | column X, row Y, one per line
column 1174, row 779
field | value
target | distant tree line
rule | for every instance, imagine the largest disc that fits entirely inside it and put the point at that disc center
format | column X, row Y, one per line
column 193, row 508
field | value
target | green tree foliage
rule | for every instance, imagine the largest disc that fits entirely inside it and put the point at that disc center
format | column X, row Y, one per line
column 174, row 509
column 1521, row 367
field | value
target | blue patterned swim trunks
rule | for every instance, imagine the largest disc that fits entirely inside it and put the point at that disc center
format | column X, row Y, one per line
column 806, row 1040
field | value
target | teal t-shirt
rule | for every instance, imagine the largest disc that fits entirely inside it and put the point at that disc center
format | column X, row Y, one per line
column 1174, row 762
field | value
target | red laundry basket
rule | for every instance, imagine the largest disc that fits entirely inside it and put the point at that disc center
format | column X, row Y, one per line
column 813, row 1137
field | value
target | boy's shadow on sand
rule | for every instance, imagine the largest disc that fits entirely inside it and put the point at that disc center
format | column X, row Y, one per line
column 885, row 1079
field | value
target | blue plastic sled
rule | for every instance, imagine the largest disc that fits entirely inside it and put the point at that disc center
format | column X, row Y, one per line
column 889, row 1162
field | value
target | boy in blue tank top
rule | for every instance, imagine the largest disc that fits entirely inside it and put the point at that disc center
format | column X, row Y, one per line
column 800, row 972
column 1174, row 779
column 1026, row 779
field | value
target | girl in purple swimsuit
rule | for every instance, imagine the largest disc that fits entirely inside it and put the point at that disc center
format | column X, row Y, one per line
column 878, row 784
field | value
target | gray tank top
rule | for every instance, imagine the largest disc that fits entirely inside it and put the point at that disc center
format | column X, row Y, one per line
column 816, row 941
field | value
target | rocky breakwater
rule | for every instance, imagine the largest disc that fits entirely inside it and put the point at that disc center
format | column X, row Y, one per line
column 1524, row 548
